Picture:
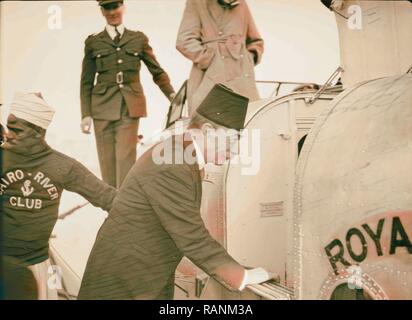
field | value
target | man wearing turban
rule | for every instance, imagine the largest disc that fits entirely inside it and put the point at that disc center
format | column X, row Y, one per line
column 33, row 178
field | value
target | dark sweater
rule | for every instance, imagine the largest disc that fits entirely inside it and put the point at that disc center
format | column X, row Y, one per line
column 32, row 181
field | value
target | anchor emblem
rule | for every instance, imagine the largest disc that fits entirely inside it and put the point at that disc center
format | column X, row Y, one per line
column 27, row 189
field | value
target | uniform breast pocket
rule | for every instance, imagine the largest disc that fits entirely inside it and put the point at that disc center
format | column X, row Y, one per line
column 132, row 58
column 133, row 53
column 104, row 59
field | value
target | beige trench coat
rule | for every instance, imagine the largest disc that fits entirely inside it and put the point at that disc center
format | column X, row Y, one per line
column 224, row 46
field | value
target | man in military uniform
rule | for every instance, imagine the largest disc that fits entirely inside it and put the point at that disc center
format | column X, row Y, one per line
column 111, row 92
column 155, row 219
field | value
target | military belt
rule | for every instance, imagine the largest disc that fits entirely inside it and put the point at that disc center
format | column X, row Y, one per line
column 117, row 78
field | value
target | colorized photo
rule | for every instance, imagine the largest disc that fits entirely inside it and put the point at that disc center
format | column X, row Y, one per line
column 225, row 150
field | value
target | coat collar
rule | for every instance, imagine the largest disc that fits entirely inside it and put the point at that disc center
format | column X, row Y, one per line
column 197, row 179
column 219, row 15
column 215, row 10
column 127, row 36
column 105, row 37
column 180, row 144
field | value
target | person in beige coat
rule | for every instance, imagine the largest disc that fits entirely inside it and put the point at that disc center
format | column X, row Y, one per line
column 222, row 40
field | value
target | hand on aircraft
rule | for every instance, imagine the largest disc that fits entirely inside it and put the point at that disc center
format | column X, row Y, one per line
column 256, row 276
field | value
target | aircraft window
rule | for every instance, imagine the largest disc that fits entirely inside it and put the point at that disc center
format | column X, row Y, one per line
column 343, row 292
column 301, row 143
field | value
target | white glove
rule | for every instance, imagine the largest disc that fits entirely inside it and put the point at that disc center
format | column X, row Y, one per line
column 86, row 125
column 256, row 276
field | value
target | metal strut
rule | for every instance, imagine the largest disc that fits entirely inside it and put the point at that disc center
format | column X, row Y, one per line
column 327, row 84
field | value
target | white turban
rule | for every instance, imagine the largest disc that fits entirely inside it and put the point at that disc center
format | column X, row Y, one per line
column 32, row 108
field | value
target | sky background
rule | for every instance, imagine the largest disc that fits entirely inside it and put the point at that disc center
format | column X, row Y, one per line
column 301, row 44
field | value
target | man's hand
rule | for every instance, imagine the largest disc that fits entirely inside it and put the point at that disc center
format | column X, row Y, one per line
column 86, row 125
column 256, row 276
column 172, row 96
column 254, row 55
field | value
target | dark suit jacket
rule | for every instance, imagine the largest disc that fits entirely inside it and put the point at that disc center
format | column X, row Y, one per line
column 154, row 222
column 103, row 61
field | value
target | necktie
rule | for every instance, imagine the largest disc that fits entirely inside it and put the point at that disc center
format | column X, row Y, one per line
column 117, row 37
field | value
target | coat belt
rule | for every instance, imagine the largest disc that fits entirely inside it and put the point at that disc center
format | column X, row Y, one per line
column 221, row 39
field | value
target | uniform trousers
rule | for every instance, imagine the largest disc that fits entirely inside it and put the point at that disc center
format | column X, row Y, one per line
column 116, row 146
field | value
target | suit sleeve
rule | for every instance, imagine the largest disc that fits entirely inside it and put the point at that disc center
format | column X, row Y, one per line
column 254, row 41
column 172, row 197
column 189, row 40
column 87, row 81
column 160, row 77
column 80, row 180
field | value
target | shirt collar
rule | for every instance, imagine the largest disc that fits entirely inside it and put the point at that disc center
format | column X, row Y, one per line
column 199, row 155
column 112, row 31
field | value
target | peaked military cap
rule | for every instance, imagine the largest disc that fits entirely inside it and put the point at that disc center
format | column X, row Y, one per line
column 224, row 107
column 109, row 3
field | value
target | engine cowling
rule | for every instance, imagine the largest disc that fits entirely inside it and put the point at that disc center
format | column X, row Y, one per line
column 353, row 204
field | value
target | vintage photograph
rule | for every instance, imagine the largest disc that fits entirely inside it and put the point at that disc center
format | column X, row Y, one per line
column 226, row 150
